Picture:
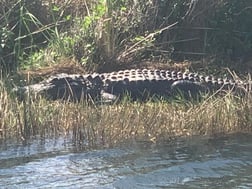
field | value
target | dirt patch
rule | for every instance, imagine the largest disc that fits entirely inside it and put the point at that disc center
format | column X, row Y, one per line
column 63, row 66
column 71, row 66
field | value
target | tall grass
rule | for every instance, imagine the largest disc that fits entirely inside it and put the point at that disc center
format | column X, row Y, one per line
column 106, row 125
column 22, row 31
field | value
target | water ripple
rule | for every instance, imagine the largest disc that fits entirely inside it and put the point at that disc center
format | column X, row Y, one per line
column 188, row 163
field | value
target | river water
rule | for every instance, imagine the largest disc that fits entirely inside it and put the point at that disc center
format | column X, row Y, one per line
column 196, row 162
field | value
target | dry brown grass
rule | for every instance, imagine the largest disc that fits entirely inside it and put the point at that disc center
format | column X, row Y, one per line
column 70, row 66
column 64, row 65
column 106, row 125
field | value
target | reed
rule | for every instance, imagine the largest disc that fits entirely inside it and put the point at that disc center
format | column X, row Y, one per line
column 106, row 125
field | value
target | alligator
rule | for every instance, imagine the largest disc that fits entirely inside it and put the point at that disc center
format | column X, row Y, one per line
column 138, row 84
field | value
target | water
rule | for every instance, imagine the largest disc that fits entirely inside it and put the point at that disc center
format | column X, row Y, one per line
column 185, row 163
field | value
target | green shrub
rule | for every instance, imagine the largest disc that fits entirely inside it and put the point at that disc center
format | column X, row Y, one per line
column 27, row 26
column 118, row 31
column 22, row 31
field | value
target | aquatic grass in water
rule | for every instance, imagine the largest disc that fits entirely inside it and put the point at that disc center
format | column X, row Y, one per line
column 105, row 125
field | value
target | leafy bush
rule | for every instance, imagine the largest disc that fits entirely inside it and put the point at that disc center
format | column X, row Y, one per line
column 118, row 31
column 21, row 31
column 26, row 26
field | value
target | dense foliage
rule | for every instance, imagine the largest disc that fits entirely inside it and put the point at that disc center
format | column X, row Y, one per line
column 33, row 33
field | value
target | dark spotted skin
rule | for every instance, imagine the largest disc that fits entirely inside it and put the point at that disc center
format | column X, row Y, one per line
column 143, row 84
column 137, row 84
column 66, row 87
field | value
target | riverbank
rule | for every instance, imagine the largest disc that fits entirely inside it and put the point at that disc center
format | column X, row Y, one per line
column 106, row 125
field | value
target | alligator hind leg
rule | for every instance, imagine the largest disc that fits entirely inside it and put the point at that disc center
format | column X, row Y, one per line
column 188, row 90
